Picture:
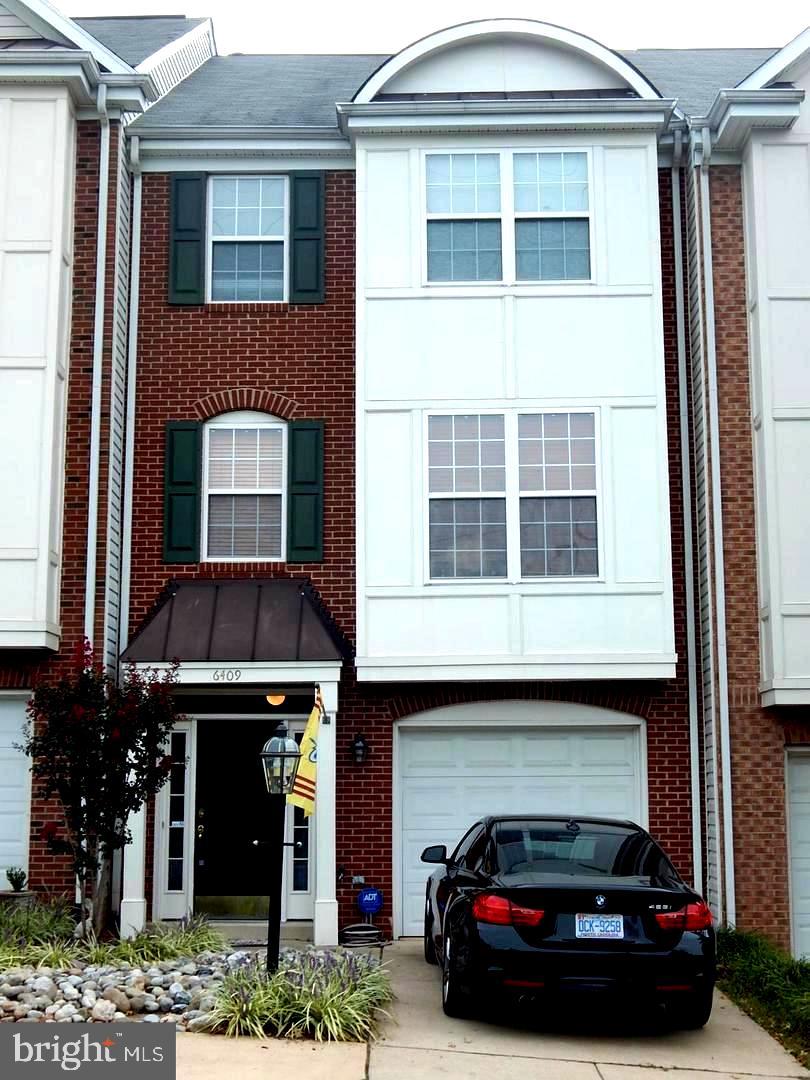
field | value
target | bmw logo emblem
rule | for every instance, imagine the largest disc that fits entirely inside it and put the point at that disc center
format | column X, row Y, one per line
column 600, row 900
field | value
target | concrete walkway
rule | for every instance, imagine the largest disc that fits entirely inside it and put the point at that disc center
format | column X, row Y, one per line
column 213, row 1057
column 423, row 1042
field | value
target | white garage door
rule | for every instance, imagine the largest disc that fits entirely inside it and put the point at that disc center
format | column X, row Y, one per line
column 14, row 788
column 798, row 782
column 451, row 776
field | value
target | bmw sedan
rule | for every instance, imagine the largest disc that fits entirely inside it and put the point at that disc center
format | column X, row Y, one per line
column 533, row 906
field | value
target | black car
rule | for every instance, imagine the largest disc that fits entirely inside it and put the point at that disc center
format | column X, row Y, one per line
column 533, row 906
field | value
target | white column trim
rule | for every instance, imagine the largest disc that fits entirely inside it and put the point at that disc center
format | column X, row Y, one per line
column 133, row 896
column 325, row 924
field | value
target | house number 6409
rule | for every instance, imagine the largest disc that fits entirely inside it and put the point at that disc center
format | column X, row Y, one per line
column 227, row 675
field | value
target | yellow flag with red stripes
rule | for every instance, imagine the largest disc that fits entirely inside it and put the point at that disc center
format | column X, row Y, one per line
column 303, row 789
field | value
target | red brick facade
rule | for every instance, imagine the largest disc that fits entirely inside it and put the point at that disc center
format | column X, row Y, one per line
column 298, row 361
column 758, row 735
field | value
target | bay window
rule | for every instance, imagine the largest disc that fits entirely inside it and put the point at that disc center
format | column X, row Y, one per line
column 512, row 495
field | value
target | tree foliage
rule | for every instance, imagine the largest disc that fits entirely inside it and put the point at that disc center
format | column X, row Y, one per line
column 99, row 748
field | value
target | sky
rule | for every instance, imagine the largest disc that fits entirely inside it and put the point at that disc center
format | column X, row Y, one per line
column 377, row 26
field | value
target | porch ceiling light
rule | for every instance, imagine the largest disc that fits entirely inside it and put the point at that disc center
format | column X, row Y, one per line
column 276, row 699
column 280, row 756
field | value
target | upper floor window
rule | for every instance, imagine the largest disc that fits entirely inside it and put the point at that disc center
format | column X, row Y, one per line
column 535, row 226
column 248, row 238
column 512, row 495
column 244, row 469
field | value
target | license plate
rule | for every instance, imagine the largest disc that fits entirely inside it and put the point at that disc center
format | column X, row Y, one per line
column 599, row 926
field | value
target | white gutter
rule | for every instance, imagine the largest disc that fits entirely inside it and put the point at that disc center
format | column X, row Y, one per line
column 132, row 370
column 98, row 358
column 717, row 537
column 686, row 487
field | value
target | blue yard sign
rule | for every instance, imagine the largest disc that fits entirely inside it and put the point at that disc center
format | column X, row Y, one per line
column 369, row 901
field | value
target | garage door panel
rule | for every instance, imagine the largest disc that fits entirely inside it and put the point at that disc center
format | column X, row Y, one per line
column 14, row 787
column 447, row 782
column 798, row 785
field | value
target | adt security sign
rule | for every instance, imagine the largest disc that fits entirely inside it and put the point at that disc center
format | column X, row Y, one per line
column 369, row 901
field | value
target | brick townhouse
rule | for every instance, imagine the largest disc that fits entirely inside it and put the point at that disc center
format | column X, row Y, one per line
column 442, row 376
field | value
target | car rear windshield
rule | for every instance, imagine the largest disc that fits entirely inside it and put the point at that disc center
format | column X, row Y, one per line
column 580, row 850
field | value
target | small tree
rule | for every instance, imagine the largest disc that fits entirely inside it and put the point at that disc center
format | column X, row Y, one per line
column 100, row 749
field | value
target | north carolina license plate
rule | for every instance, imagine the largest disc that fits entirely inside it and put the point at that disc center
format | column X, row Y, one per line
column 600, row 926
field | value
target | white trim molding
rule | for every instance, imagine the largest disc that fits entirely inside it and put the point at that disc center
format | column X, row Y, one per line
column 778, row 63
column 235, row 673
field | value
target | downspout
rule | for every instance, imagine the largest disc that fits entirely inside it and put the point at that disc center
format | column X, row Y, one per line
column 98, row 369
column 132, row 381
column 686, row 487
column 717, row 536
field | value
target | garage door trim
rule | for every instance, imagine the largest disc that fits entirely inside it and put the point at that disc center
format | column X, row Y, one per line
column 510, row 714
column 22, row 696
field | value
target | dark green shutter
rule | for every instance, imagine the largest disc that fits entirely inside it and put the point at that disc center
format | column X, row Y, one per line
column 305, row 491
column 181, row 492
column 187, row 239
column 307, row 268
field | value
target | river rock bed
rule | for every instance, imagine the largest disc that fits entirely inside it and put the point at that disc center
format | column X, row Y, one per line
column 177, row 992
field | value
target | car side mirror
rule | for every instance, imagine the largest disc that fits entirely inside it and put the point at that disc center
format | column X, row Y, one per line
column 437, row 853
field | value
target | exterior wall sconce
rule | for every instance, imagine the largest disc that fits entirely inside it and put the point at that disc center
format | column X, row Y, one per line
column 275, row 699
column 359, row 750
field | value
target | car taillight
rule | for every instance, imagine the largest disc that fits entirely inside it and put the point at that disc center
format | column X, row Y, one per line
column 692, row 917
column 490, row 908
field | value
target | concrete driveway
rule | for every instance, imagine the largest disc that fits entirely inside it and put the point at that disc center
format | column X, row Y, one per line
column 422, row 1042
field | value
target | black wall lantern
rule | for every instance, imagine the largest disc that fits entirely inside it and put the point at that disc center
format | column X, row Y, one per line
column 359, row 750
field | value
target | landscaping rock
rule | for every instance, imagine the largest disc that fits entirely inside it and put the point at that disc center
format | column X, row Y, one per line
column 103, row 1010
column 65, row 1012
column 150, row 1019
column 45, row 985
column 118, row 998
column 197, row 1023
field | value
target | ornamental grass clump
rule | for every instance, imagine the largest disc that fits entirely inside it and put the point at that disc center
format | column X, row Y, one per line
column 38, row 923
column 770, row 985
column 327, row 996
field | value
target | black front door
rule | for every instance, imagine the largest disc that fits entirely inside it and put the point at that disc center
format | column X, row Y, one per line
column 231, row 869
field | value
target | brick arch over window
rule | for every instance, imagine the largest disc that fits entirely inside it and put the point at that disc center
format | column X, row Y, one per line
column 242, row 398
column 433, row 697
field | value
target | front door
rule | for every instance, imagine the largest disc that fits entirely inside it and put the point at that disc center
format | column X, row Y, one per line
column 224, row 819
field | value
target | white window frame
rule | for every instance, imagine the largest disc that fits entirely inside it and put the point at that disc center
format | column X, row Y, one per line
column 508, row 216
column 513, row 495
column 210, row 240
column 230, row 422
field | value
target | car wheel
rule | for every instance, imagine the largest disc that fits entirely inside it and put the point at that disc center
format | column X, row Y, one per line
column 430, row 948
column 455, row 1001
column 695, row 1012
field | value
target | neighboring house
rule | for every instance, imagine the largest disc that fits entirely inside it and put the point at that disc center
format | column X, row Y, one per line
column 64, row 286
column 437, row 377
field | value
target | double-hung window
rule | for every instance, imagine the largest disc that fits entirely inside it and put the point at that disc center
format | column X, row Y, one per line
column 512, row 495
column 508, row 217
column 244, row 466
column 464, row 217
column 248, row 238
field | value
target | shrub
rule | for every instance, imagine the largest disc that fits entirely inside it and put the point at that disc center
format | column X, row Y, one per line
column 38, row 923
column 16, row 878
column 324, row 995
column 769, row 984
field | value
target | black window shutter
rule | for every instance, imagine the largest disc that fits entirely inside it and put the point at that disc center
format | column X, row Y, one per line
column 181, row 492
column 305, row 491
column 307, row 262
column 187, row 239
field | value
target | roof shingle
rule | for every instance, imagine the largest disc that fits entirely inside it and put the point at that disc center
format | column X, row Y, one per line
column 134, row 37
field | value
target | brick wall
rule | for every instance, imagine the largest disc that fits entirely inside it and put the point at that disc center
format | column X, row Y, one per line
column 757, row 735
